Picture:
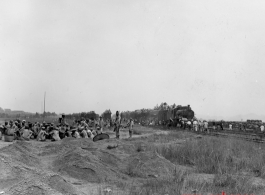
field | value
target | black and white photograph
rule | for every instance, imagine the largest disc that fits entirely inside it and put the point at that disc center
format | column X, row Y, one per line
column 132, row 97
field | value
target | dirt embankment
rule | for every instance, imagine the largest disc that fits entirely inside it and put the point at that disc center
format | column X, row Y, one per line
column 76, row 166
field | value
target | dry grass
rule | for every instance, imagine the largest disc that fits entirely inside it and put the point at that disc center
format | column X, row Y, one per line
column 227, row 159
column 217, row 156
column 232, row 165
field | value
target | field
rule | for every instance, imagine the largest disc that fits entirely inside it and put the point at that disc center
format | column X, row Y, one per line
column 153, row 162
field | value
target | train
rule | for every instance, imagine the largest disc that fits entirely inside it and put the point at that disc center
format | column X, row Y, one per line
column 161, row 115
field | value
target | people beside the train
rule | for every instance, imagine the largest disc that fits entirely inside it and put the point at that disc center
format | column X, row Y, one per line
column 195, row 125
column 206, row 126
column 189, row 124
column 201, row 126
column 262, row 128
column 214, row 125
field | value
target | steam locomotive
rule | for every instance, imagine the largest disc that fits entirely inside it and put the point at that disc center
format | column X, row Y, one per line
column 171, row 113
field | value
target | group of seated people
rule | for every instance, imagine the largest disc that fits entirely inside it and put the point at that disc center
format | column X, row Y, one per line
column 23, row 130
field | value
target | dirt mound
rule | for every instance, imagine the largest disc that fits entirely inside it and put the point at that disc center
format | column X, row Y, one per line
column 71, row 165
column 8, row 174
column 83, row 165
column 59, row 184
column 32, row 190
column 148, row 164
column 66, row 145
column 22, row 152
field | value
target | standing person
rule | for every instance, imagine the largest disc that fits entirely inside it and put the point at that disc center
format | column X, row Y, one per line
column 62, row 120
column 201, row 126
column 130, row 125
column 189, row 125
column 117, row 124
column 262, row 128
column 206, row 126
column 230, row 126
column 101, row 124
column 195, row 125
column 213, row 125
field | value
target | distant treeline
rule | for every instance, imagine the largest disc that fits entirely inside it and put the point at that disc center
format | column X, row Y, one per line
column 86, row 115
column 27, row 115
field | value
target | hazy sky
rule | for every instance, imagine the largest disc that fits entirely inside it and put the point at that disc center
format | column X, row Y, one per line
column 130, row 54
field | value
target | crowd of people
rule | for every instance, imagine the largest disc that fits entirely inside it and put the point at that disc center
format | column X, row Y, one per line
column 42, row 131
column 203, row 125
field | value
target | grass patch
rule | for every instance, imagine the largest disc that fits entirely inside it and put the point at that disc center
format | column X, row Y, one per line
column 217, row 156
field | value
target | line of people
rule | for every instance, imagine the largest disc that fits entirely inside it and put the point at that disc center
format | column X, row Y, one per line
column 195, row 125
column 84, row 128
column 23, row 130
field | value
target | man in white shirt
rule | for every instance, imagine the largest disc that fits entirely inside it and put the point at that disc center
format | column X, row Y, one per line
column 206, row 126
column 230, row 126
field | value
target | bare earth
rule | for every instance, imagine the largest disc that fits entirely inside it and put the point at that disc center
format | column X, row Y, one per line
column 76, row 166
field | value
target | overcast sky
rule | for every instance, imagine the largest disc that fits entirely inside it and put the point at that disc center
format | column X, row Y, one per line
column 131, row 54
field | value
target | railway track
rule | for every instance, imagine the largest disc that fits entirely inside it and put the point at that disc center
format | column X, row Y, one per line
column 247, row 136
